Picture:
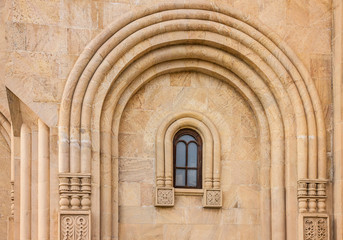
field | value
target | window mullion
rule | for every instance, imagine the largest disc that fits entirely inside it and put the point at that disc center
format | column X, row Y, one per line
column 186, row 183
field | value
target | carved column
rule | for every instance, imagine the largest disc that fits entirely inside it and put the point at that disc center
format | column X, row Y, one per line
column 12, row 172
column 10, row 226
column 313, row 219
column 75, row 190
column 43, row 182
column 25, row 183
column 312, row 196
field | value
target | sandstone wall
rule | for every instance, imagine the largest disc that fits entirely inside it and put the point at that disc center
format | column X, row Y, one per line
column 5, row 186
column 41, row 40
column 239, row 136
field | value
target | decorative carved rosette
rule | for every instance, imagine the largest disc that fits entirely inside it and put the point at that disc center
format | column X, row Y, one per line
column 212, row 198
column 75, row 190
column 312, row 196
column 164, row 197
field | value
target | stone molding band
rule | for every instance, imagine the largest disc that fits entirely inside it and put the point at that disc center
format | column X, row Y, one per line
column 175, row 6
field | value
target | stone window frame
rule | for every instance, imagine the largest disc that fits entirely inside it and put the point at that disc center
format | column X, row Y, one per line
column 165, row 192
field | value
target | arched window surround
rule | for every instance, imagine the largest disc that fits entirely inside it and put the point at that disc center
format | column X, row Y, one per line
column 164, row 157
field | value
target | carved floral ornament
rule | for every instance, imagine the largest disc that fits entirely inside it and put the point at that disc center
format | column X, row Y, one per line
column 315, row 227
column 75, row 226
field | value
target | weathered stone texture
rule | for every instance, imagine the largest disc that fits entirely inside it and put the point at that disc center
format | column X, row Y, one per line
column 63, row 28
column 240, row 155
column 5, row 186
column 40, row 42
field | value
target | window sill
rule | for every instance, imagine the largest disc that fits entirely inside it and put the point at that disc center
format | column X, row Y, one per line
column 188, row 192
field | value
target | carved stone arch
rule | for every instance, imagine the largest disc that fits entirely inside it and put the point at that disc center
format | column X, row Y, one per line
column 226, row 76
column 191, row 35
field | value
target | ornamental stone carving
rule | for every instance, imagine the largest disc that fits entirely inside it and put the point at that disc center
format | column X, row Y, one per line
column 75, row 190
column 315, row 228
column 12, row 198
column 75, row 227
column 212, row 198
column 312, row 196
column 164, row 197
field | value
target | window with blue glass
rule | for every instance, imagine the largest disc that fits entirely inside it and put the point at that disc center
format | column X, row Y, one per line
column 187, row 159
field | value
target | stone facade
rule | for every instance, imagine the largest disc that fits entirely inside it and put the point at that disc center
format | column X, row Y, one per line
column 92, row 93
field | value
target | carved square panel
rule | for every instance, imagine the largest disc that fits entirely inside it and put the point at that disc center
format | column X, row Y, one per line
column 75, row 226
column 316, row 228
column 213, row 198
column 164, row 197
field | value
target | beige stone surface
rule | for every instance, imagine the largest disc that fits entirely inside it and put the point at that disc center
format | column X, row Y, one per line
column 5, row 186
column 240, row 169
column 57, row 31
column 40, row 42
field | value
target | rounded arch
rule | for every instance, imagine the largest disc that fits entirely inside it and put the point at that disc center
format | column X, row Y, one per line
column 223, row 39
column 170, row 125
column 228, row 77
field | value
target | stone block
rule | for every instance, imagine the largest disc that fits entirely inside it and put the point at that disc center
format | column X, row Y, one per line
column 321, row 13
column 48, row 39
column 136, row 215
column 147, row 194
column 79, row 14
column 136, row 170
column 111, row 11
column 77, row 40
column 297, row 12
column 129, row 194
column 130, row 126
column 131, row 145
column 141, row 231
column 16, row 34
column 36, row 12
column 201, row 216
column 171, row 215
column 181, row 79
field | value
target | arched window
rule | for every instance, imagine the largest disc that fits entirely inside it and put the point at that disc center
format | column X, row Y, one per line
column 187, row 156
